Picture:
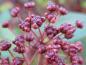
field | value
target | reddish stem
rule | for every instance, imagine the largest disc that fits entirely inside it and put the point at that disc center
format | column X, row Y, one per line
column 40, row 34
column 19, row 18
column 33, row 57
column 45, row 62
column 0, row 57
column 52, row 38
column 11, row 53
column 29, row 12
column 40, row 59
column 35, row 35
column 25, row 59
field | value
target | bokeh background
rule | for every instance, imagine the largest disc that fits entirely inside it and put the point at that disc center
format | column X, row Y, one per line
column 77, row 11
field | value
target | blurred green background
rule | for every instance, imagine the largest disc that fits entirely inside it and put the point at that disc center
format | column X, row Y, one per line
column 77, row 11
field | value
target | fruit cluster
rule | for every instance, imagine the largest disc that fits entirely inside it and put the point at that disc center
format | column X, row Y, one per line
column 48, row 44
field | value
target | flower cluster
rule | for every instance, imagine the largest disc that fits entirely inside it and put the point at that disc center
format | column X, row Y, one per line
column 50, row 41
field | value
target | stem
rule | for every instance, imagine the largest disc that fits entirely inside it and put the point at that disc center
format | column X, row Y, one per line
column 52, row 38
column 0, row 57
column 19, row 18
column 40, row 59
column 11, row 56
column 45, row 62
column 40, row 33
column 0, row 54
column 58, row 15
column 43, row 36
column 25, row 59
column 0, row 62
column 11, row 53
column 35, row 34
column 29, row 12
column 48, row 23
column 33, row 57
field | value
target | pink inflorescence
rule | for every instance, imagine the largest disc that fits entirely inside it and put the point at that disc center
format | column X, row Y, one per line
column 50, row 42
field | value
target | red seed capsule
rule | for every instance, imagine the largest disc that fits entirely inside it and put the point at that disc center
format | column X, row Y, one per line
column 25, row 25
column 43, row 19
column 5, row 61
column 15, row 11
column 5, row 45
column 34, row 25
column 29, row 5
column 63, row 11
column 69, row 36
column 5, row 24
column 19, row 49
column 51, row 6
column 53, row 20
column 29, row 37
column 18, row 61
column 80, row 60
column 79, row 46
column 28, row 19
column 79, row 24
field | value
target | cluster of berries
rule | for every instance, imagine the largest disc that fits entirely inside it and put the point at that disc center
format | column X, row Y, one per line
column 50, row 41
column 19, row 42
column 15, row 61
